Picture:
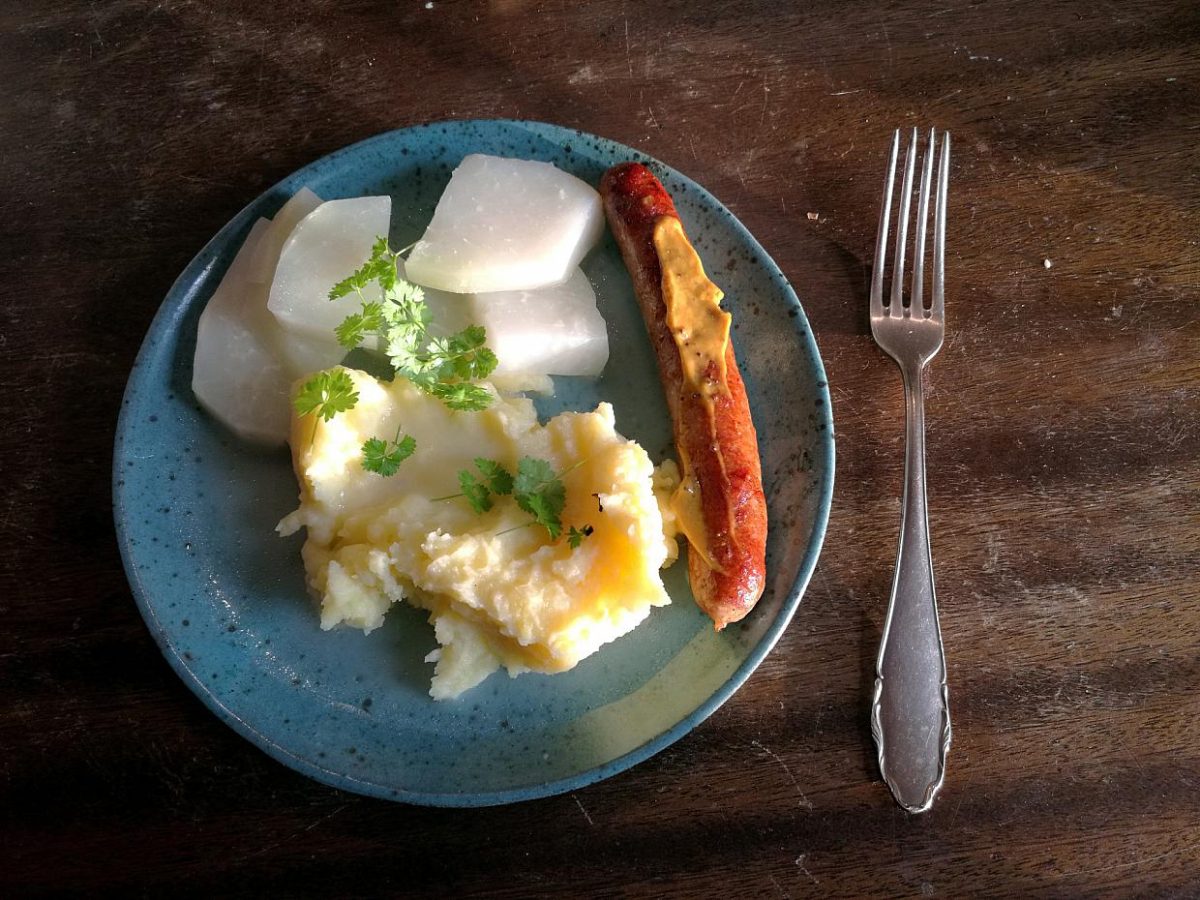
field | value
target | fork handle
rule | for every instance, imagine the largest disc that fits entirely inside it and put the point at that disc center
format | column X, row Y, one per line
column 910, row 715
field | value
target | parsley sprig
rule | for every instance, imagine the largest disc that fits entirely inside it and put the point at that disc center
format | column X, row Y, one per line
column 384, row 457
column 326, row 394
column 537, row 489
column 541, row 493
column 331, row 392
column 445, row 367
column 496, row 480
column 576, row 535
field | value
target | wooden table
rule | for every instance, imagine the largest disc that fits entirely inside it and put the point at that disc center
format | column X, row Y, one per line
column 1063, row 447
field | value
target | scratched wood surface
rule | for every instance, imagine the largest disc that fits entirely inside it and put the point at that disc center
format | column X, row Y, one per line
column 1064, row 417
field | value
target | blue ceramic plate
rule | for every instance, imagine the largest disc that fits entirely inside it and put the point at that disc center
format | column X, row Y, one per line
column 225, row 598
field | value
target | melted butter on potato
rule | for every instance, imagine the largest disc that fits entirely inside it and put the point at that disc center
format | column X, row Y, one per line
column 514, row 600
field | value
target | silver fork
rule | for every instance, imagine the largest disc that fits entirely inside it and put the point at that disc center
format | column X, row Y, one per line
column 910, row 715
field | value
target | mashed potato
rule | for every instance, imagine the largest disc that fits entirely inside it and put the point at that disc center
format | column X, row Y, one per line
column 496, row 597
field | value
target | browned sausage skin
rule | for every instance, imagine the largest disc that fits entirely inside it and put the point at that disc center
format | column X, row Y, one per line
column 715, row 438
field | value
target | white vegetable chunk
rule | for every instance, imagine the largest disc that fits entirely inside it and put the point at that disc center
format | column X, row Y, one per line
column 328, row 244
column 507, row 225
column 262, row 263
column 301, row 354
column 236, row 375
column 550, row 331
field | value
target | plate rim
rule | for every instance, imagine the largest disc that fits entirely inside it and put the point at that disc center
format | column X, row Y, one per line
column 174, row 306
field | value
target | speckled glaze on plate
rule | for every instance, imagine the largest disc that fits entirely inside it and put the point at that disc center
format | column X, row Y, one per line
column 225, row 598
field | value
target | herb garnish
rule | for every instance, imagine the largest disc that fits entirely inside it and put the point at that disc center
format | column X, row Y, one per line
column 384, row 457
column 327, row 393
column 444, row 367
column 537, row 489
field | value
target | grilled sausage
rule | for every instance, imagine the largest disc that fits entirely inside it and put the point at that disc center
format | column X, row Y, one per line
column 714, row 434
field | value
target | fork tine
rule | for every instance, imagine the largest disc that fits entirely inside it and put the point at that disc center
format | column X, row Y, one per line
column 939, row 229
column 896, row 304
column 885, row 213
column 917, row 301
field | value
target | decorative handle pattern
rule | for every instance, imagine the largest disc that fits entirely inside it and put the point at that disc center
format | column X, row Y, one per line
column 910, row 715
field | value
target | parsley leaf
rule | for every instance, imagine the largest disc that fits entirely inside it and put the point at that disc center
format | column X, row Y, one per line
column 499, row 479
column 539, row 492
column 326, row 394
column 496, row 480
column 576, row 535
column 463, row 355
column 477, row 494
column 544, row 510
column 384, row 457
column 355, row 328
column 374, row 268
column 532, row 475
column 460, row 395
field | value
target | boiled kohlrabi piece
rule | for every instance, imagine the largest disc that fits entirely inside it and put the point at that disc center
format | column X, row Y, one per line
column 236, row 375
column 329, row 243
column 301, row 354
column 554, row 330
column 299, row 205
column 506, row 225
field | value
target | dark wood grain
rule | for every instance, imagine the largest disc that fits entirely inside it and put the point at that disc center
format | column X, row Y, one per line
column 1064, row 443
